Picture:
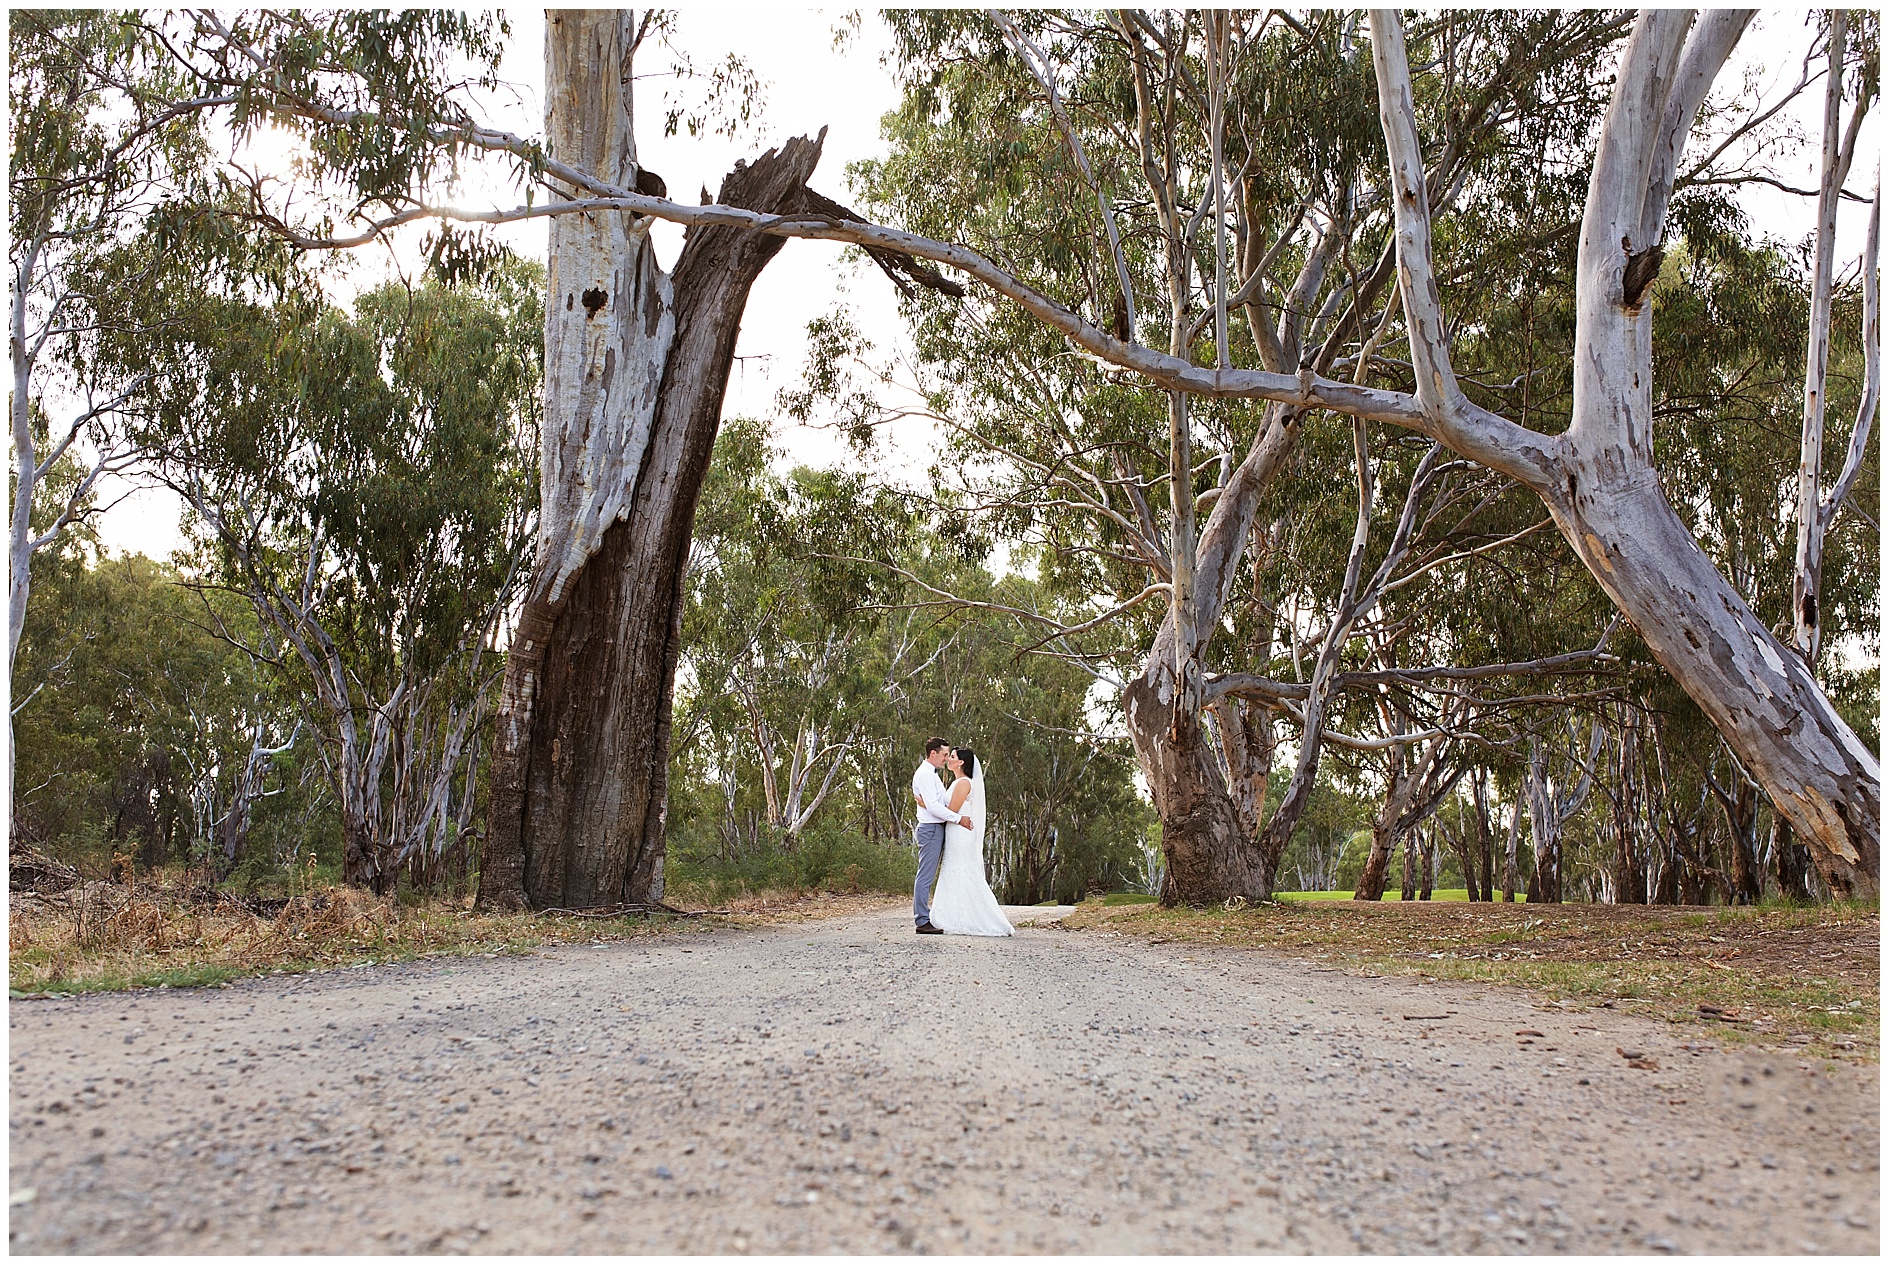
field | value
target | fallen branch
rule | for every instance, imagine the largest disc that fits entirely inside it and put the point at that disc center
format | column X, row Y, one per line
column 618, row 911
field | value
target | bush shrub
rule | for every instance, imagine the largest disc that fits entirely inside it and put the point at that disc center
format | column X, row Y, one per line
column 823, row 860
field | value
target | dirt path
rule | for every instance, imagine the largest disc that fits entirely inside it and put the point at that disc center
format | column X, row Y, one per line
column 847, row 1086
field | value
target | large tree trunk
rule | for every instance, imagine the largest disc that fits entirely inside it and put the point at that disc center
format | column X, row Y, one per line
column 1607, row 500
column 1248, row 739
column 1376, row 872
column 603, row 366
column 635, row 369
column 1598, row 479
column 360, row 858
column 597, row 775
column 1211, row 854
column 1757, row 692
column 1210, row 858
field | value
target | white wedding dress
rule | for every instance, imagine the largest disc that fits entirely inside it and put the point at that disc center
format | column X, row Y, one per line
column 962, row 904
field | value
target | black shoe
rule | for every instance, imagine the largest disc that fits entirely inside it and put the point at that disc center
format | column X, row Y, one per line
column 926, row 929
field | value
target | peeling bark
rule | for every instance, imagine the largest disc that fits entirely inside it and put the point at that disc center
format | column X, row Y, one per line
column 636, row 367
column 1209, row 857
column 1757, row 693
column 1212, row 854
column 1598, row 479
column 1248, row 740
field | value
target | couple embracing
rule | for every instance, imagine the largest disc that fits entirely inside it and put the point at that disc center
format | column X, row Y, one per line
column 951, row 847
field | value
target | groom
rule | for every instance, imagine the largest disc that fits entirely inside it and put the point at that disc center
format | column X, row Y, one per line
column 934, row 813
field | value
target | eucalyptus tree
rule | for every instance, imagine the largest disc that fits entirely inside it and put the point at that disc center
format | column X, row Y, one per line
column 1597, row 479
column 614, row 735
column 636, row 360
column 137, row 733
column 364, row 482
column 1815, row 507
column 1730, row 345
column 1305, row 254
column 101, row 129
column 379, row 104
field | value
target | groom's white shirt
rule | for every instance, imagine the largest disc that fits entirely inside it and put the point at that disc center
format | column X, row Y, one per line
column 934, row 808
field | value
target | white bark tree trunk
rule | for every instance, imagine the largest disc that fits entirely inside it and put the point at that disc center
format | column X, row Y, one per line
column 609, row 309
column 608, row 326
column 1598, row 480
column 1805, row 624
column 1814, row 512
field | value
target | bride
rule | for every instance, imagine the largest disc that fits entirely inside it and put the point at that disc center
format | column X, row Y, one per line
column 963, row 904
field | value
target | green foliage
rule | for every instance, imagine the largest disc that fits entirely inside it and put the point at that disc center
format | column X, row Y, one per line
column 805, row 668
column 399, row 437
column 1038, row 435
column 365, row 481
column 375, row 95
column 1729, row 379
column 828, row 859
column 1333, row 833
column 1072, row 461
column 135, row 714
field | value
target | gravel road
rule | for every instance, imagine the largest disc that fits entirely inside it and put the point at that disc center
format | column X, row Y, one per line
column 848, row 1086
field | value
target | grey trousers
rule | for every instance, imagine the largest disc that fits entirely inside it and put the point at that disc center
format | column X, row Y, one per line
column 930, row 853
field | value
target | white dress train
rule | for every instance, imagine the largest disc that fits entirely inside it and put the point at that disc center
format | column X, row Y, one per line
column 962, row 904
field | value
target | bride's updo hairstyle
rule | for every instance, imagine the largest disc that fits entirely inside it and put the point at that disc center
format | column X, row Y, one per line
column 970, row 761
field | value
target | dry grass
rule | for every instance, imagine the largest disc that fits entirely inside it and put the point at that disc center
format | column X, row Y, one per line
column 103, row 936
column 1806, row 977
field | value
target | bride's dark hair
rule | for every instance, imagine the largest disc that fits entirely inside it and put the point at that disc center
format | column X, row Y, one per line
column 970, row 761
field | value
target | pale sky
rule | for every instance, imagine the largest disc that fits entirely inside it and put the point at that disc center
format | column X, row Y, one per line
column 808, row 84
